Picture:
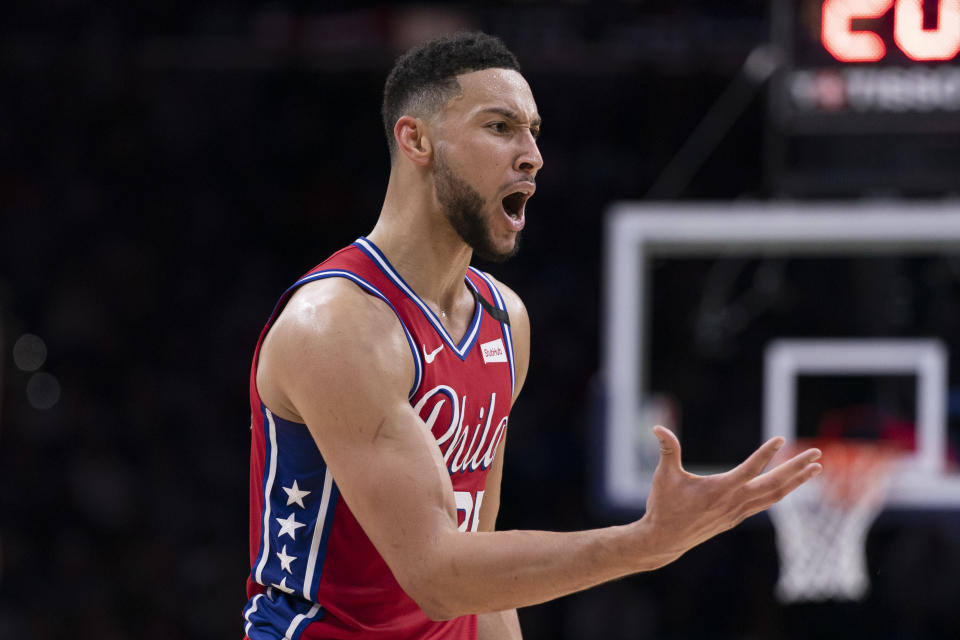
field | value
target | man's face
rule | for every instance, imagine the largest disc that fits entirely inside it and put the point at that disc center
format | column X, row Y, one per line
column 486, row 160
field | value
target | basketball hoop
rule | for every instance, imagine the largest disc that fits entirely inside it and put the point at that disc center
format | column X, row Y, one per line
column 821, row 528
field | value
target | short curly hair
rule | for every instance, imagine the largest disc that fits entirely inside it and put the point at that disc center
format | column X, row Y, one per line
column 424, row 78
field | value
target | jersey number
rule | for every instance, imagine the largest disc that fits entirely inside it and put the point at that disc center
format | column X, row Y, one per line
column 850, row 44
column 470, row 508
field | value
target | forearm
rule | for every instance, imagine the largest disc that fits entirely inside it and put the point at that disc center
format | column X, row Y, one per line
column 482, row 572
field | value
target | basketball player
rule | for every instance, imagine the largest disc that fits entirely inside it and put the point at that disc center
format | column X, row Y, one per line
column 381, row 389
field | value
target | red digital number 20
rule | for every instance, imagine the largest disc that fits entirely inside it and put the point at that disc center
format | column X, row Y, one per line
column 847, row 45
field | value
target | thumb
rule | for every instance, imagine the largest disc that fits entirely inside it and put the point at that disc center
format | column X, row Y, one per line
column 669, row 447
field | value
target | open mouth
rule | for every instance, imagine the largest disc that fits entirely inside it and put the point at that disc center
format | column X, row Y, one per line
column 513, row 204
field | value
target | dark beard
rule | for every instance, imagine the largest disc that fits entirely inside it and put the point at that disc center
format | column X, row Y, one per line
column 464, row 209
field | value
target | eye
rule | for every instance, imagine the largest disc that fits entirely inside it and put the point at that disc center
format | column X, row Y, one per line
column 499, row 127
column 535, row 132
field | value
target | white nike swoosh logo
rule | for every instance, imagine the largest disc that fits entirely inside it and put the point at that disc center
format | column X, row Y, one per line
column 430, row 356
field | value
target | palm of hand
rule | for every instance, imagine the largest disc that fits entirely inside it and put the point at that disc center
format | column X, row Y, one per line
column 684, row 509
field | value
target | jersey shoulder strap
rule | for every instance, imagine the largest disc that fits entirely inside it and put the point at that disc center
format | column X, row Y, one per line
column 497, row 310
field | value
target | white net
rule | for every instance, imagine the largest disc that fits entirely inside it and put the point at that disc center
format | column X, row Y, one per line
column 821, row 528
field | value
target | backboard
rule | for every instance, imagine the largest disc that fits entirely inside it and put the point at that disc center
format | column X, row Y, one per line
column 731, row 323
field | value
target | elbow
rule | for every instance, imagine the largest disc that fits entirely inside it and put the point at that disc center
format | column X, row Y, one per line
column 438, row 613
column 433, row 597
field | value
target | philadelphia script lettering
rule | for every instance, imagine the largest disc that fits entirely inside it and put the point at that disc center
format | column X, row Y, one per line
column 464, row 447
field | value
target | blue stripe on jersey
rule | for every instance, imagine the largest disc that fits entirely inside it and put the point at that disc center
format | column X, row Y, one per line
column 502, row 305
column 349, row 275
column 275, row 616
column 469, row 338
column 300, row 499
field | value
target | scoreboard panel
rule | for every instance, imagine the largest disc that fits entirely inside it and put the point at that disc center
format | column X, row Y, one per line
column 867, row 66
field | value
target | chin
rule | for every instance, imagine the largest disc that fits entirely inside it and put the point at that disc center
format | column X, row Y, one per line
column 500, row 251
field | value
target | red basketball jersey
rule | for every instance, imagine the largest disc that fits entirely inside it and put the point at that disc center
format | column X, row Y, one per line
column 314, row 573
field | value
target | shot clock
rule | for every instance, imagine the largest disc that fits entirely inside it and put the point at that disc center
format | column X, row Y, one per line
column 871, row 66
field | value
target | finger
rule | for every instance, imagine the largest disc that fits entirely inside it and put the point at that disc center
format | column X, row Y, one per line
column 669, row 447
column 758, row 460
column 779, row 492
column 773, row 480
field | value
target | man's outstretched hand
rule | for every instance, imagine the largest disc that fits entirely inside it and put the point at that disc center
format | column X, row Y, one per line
column 684, row 509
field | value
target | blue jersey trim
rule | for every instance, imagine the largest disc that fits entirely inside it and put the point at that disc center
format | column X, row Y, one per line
column 297, row 529
column 469, row 338
column 507, row 335
column 276, row 616
column 349, row 275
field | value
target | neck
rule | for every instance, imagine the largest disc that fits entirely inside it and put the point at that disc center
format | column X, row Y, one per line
column 414, row 234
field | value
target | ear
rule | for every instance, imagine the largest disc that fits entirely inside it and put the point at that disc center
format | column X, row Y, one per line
column 413, row 140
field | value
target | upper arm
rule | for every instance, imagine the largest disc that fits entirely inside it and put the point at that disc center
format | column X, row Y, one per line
column 339, row 359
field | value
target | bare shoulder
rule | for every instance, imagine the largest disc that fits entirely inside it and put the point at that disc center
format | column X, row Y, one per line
column 332, row 305
column 520, row 328
column 330, row 329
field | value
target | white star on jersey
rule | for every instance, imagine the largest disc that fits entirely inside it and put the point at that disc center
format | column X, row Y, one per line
column 285, row 560
column 295, row 494
column 289, row 526
column 283, row 585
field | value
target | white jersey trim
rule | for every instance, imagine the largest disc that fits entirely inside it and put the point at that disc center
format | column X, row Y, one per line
column 300, row 617
column 318, row 531
column 252, row 610
column 466, row 343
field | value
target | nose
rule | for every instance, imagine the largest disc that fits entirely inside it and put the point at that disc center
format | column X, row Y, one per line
column 529, row 159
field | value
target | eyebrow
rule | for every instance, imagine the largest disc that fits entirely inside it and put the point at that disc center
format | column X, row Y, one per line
column 511, row 115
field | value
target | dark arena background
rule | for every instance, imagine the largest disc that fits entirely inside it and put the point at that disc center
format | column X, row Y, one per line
column 168, row 168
